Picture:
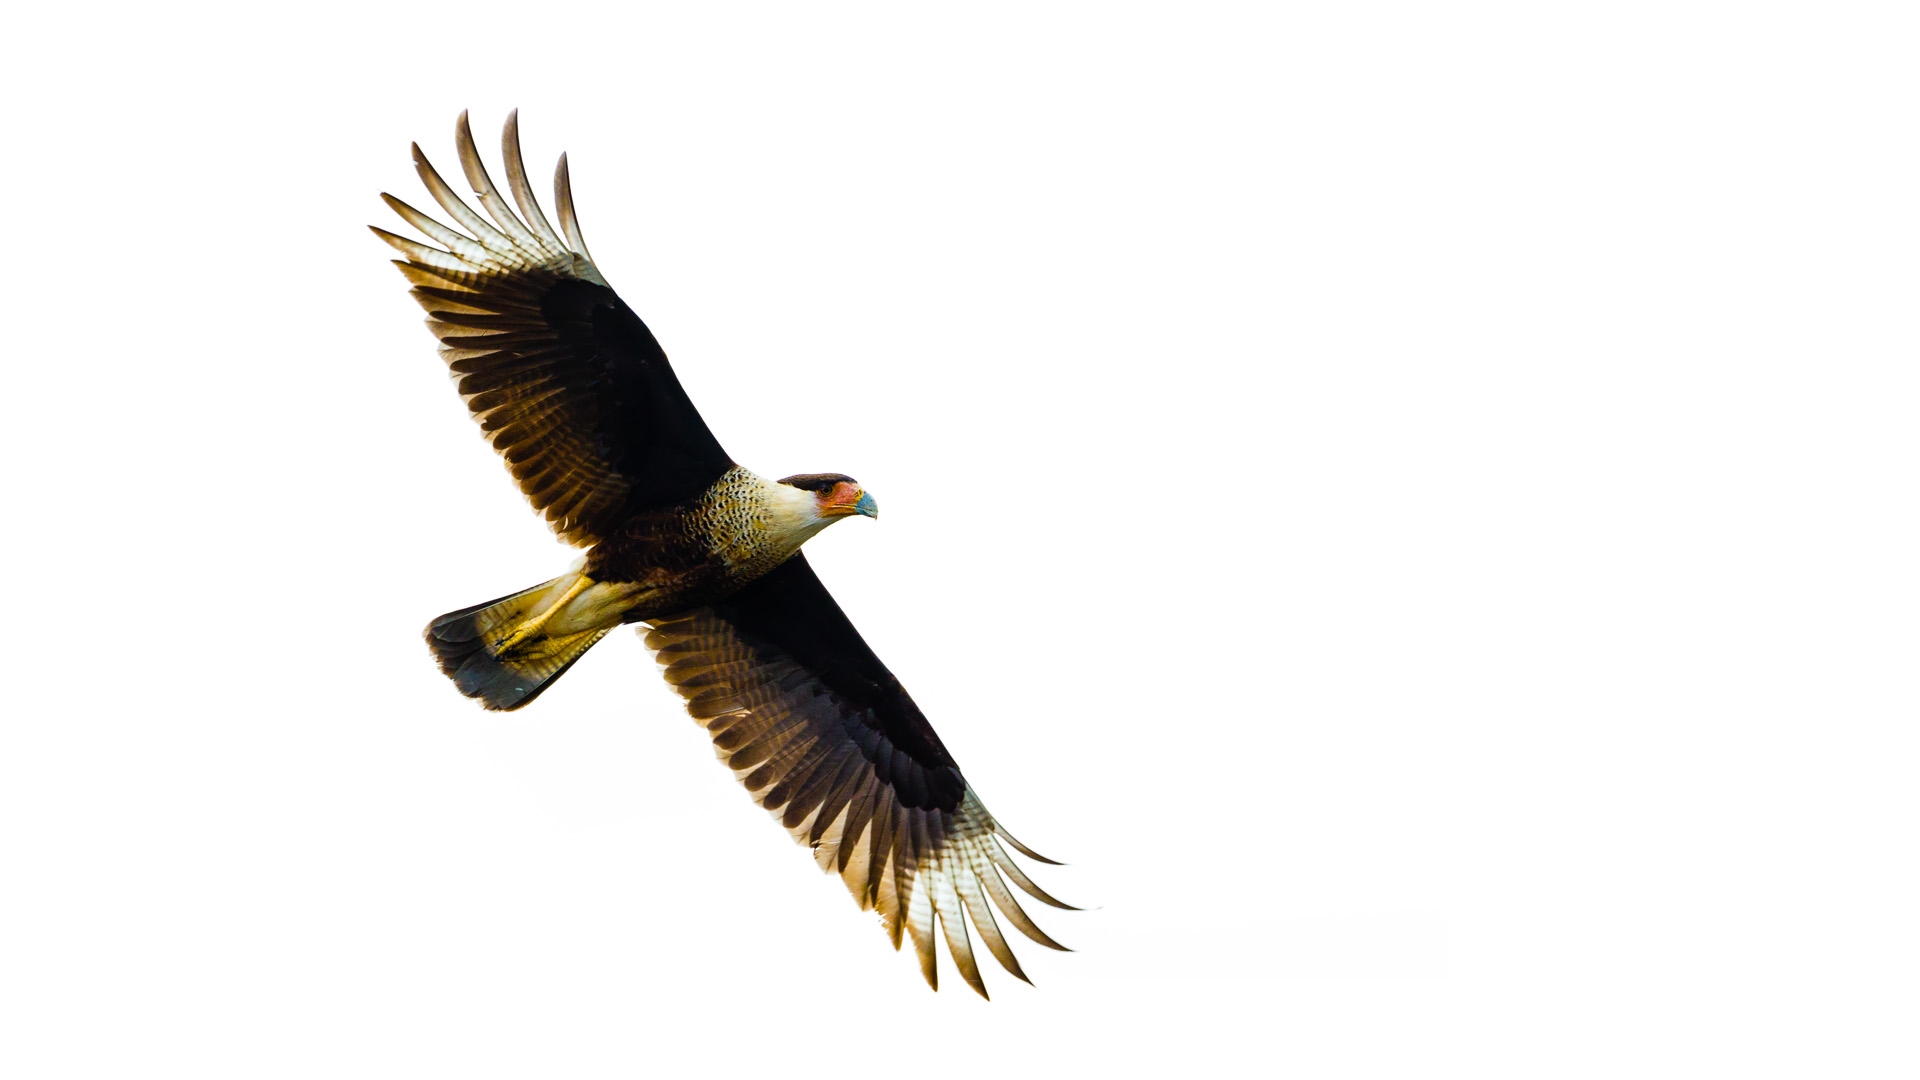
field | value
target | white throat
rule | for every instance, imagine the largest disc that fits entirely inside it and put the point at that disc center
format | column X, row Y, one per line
column 793, row 514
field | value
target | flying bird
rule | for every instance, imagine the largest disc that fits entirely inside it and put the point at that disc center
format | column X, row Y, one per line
column 574, row 392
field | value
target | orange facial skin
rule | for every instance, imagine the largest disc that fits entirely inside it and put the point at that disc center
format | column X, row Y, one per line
column 845, row 499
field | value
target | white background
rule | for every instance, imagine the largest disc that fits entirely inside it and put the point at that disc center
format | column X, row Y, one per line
column 1416, row 503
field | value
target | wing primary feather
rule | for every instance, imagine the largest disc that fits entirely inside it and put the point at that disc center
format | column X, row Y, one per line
column 1009, row 906
column 897, row 888
column 477, row 257
column 489, row 196
column 517, row 182
column 1020, row 878
column 421, row 253
column 918, row 913
column 412, row 249
column 1023, row 849
column 563, row 201
column 968, row 883
column 451, row 202
column 939, row 859
column 946, row 902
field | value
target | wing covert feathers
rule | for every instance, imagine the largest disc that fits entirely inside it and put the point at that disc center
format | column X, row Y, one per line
column 567, row 384
column 824, row 765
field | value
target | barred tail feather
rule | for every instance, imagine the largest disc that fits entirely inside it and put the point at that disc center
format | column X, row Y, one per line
column 500, row 653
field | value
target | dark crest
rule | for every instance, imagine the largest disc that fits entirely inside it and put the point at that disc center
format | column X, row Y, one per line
column 817, row 481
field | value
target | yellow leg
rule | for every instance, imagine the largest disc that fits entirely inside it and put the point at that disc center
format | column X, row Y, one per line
column 532, row 626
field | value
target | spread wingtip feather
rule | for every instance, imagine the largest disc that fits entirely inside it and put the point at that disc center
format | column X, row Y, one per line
column 563, row 201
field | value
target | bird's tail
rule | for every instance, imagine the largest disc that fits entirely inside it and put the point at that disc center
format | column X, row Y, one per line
column 505, row 651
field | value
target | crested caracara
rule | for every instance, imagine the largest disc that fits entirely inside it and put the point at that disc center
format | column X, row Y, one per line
column 573, row 391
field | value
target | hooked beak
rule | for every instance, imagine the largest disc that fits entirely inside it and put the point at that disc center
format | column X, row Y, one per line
column 846, row 500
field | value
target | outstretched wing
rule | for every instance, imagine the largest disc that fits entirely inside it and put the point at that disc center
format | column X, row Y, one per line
column 826, row 738
column 566, row 381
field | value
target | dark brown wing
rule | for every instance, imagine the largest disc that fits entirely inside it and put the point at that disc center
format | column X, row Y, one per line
column 566, row 381
column 824, row 736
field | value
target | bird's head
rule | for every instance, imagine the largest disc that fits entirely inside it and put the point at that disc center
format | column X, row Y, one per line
column 835, row 495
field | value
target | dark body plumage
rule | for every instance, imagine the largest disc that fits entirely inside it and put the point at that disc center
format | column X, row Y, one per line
column 572, row 389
